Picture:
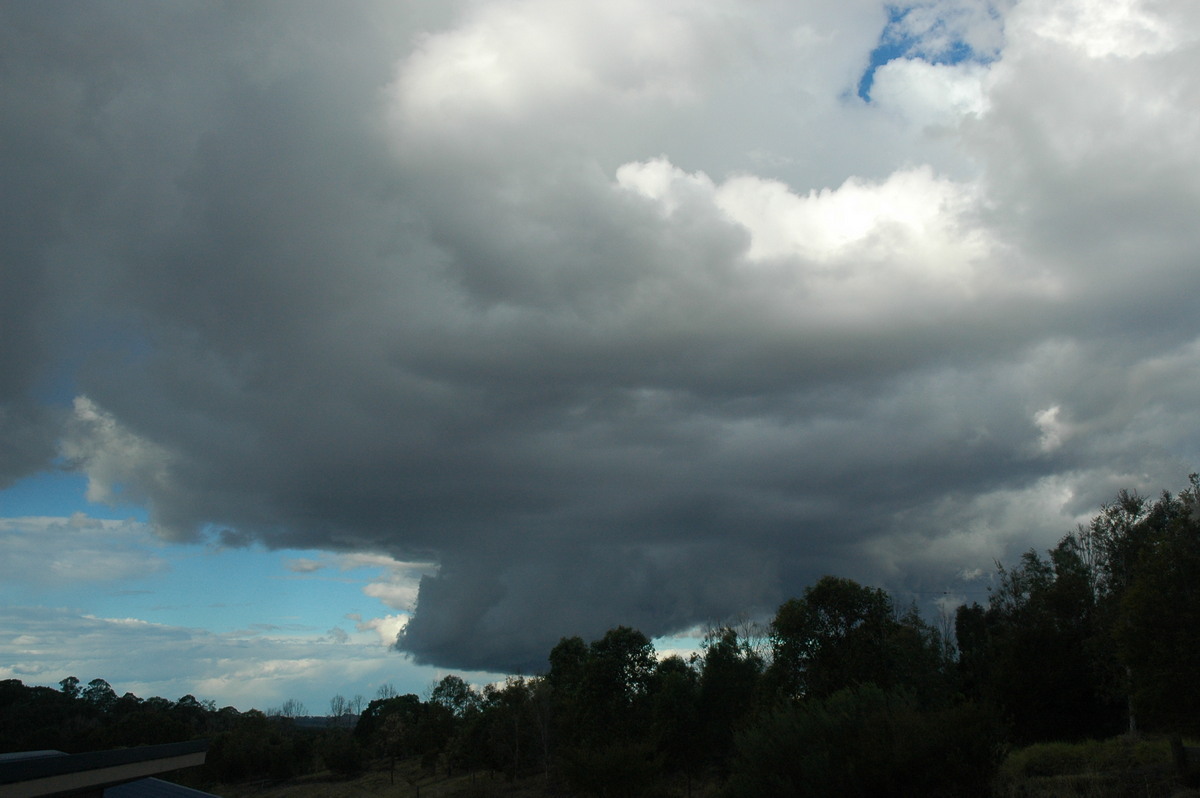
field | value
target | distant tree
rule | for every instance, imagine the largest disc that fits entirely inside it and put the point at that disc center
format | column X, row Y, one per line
column 435, row 728
column 100, row 694
column 392, row 741
column 404, row 726
column 341, row 752
column 70, row 687
column 468, row 748
column 33, row 718
column 292, row 708
column 407, row 706
column 192, row 713
column 254, row 745
column 456, row 695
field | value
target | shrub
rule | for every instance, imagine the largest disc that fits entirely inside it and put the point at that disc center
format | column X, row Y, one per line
column 866, row 742
column 1089, row 756
column 342, row 754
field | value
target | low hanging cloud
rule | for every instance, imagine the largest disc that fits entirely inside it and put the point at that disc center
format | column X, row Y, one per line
column 394, row 584
column 636, row 314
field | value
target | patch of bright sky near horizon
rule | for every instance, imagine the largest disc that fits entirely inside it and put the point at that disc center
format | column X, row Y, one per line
column 324, row 623
column 911, row 32
column 104, row 572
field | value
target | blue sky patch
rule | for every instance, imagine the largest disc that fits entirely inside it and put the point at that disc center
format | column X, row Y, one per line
column 937, row 44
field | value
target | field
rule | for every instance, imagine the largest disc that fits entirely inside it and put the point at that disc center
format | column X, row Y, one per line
column 1117, row 768
column 408, row 781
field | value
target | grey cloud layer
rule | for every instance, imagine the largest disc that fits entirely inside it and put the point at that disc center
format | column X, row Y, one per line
column 623, row 316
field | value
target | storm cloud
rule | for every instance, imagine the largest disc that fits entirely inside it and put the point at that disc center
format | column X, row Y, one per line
column 648, row 313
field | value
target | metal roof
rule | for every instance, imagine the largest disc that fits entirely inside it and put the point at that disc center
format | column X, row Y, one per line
column 154, row 788
column 47, row 773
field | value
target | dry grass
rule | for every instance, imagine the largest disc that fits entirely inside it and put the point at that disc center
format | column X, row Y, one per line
column 376, row 782
column 1114, row 768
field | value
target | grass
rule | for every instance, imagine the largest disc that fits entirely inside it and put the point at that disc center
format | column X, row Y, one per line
column 1120, row 767
column 1113, row 768
column 409, row 781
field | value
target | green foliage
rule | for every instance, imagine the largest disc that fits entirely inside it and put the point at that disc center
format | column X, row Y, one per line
column 258, row 747
column 1157, row 623
column 341, row 753
column 617, row 678
column 517, row 727
column 456, row 695
column 1115, row 768
column 617, row 770
column 600, row 693
column 730, row 672
column 1039, row 652
column 675, row 721
column 1102, row 634
column 100, row 695
column 830, row 638
column 856, row 697
column 77, row 720
column 39, row 718
column 403, row 725
column 841, row 634
column 865, row 741
column 1087, row 756
column 407, row 707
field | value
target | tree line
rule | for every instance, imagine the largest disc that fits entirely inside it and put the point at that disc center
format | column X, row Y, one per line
column 842, row 693
column 846, row 693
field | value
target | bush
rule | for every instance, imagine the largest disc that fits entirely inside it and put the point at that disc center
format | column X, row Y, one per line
column 620, row 770
column 1089, row 756
column 342, row 754
column 866, row 742
column 258, row 751
column 1096, row 768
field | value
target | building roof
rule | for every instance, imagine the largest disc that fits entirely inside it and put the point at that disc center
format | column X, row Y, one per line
column 50, row 773
column 154, row 788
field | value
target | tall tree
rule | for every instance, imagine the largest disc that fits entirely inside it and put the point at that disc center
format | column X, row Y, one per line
column 70, row 687
column 675, row 718
column 839, row 634
column 730, row 671
column 1157, row 623
column 100, row 694
column 456, row 695
column 616, row 678
column 1040, row 652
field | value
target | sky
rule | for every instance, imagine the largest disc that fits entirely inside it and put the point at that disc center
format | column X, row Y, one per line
column 345, row 345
